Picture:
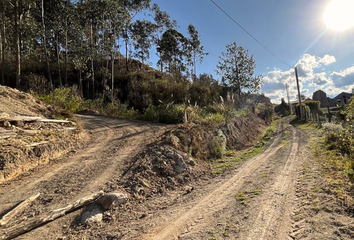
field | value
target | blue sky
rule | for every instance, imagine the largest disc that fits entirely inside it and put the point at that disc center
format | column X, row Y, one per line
column 293, row 29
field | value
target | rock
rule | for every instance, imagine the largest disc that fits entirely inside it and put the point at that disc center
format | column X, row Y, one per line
column 188, row 189
column 92, row 214
column 180, row 165
column 174, row 140
column 191, row 162
column 222, row 138
column 114, row 199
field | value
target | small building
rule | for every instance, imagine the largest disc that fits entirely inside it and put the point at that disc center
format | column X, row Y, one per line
column 342, row 99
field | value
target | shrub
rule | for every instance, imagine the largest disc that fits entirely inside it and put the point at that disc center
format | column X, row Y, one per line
column 217, row 149
column 169, row 114
column 215, row 119
column 67, row 99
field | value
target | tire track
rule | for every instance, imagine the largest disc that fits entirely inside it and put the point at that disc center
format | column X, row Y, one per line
column 273, row 207
column 113, row 141
column 191, row 219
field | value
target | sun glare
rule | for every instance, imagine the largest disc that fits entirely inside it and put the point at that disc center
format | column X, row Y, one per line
column 339, row 14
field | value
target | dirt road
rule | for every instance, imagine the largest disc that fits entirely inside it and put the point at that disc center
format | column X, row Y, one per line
column 263, row 198
column 113, row 141
column 251, row 202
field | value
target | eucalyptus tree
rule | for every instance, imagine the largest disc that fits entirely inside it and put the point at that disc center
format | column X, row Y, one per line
column 3, row 41
column 172, row 49
column 142, row 31
column 90, row 12
column 195, row 49
column 17, row 42
column 115, row 17
column 132, row 8
column 70, row 25
column 162, row 24
column 236, row 68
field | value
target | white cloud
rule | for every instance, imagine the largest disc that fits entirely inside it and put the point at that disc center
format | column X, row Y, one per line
column 310, row 78
column 343, row 78
column 308, row 63
column 327, row 59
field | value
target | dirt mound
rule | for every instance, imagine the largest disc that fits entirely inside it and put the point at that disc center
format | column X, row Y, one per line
column 158, row 169
column 14, row 102
column 171, row 163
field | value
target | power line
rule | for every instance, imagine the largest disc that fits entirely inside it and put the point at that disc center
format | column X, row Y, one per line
column 255, row 39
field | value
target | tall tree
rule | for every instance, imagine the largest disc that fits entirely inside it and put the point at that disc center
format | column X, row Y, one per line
column 162, row 24
column 195, row 49
column 44, row 43
column 17, row 44
column 132, row 7
column 142, row 35
column 236, row 68
column 172, row 50
column 3, row 27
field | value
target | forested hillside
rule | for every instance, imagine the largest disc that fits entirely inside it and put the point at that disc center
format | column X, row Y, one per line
column 103, row 47
column 83, row 42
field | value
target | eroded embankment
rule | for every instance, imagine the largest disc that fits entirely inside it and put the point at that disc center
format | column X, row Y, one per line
column 27, row 138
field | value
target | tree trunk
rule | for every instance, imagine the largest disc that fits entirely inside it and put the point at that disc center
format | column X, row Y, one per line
column 3, row 44
column 44, row 41
column 36, row 222
column 112, row 70
column 195, row 65
column 17, row 210
column 92, row 62
column 58, row 58
column 18, row 50
column 80, row 84
column 66, row 52
column 126, row 54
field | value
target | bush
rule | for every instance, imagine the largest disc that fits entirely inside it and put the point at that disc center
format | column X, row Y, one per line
column 169, row 114
column 67, row 99
column 215, row 119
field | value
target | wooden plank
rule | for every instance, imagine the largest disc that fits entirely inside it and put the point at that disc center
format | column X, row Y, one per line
column 37, row 144
column 27, row 132
column 54, row 121
column 70, row 128
column 18, row 230
column 17, row 210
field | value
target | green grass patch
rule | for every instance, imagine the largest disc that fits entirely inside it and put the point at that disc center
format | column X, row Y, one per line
column 241, row 196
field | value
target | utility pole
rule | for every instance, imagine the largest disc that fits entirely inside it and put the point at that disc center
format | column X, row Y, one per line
column 298, row 91
column 287, row 92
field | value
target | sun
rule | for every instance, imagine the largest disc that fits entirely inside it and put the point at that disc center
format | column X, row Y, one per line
column 339, row 14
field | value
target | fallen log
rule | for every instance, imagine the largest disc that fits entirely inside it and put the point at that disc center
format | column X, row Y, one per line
column 16, row 231
column 17, row 210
